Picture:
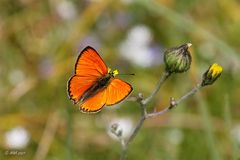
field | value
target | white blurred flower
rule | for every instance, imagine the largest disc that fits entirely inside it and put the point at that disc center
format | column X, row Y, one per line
column 16, row 138
column 66, row 10
column 175, row 136
column 123, row 126
column 236, row 133
column 16, row 76
column 140, row 35
column 136, row 48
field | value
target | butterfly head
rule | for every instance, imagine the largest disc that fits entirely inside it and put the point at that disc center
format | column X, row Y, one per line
column 112, row 73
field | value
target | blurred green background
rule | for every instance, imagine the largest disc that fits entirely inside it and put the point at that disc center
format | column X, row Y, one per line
column 39, row 44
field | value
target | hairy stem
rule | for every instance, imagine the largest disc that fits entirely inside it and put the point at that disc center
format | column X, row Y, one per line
column 171, row 106
column 163, row 77
column 124, row 149
column 188, row 94
column 143, row 104
column 138, row 126
column 125, row 144
column 145, row 115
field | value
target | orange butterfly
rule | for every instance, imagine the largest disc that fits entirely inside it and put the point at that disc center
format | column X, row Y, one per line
column 94, row 84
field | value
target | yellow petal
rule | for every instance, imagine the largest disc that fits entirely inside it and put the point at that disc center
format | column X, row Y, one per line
column 215, row 70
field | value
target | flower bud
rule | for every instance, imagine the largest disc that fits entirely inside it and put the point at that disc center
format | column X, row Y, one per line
column 212, row 74
column 178, row 59
column 116, row 130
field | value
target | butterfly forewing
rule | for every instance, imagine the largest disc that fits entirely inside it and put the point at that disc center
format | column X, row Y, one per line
column 89, row 63
column 88, row 68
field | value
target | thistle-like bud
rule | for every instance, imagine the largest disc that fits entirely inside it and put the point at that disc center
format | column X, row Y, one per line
column 178, row 59
column 211, row 75
column 116, row 130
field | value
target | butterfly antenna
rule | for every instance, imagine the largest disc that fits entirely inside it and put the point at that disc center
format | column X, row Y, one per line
column 127, row 74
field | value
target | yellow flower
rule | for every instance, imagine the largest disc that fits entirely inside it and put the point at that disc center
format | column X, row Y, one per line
column 211, row 75
column 215, row 70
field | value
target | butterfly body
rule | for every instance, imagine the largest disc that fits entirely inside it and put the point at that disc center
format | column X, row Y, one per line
column 94, row 85
column 100, row 84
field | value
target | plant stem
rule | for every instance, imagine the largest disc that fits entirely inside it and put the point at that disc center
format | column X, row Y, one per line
column 143, row 104
column 163, row 77
column 187, row 95
column 145, row 115
column 123, row 153
column 125, row 144
column 124, row 149
column 138, row 126
column 190, row 93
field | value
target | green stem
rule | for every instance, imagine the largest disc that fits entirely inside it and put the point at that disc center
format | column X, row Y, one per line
column 163, row 77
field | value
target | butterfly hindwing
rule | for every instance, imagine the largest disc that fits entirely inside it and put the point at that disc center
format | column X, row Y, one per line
column 78, row 85
column 95, row 103
column 117, row 90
